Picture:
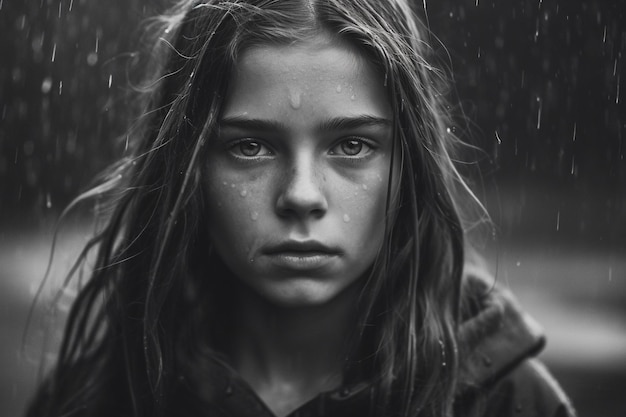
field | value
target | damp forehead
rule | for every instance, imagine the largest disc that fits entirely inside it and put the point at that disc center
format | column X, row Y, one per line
column 303, row 74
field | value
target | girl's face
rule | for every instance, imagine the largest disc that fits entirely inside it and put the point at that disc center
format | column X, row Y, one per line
column 297, row 174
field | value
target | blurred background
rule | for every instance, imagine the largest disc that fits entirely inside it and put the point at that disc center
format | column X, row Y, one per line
column 539, row 84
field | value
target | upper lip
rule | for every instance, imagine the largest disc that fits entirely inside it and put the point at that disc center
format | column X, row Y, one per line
column 300, row 246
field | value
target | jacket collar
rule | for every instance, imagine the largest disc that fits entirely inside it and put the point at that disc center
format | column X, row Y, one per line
column 496, row 338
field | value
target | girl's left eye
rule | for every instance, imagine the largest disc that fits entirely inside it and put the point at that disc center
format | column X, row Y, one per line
column 352, row 147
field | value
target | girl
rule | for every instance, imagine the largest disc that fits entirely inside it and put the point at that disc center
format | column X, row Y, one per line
column 286, row 237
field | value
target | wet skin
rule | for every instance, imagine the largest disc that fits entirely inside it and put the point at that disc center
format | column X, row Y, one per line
column 297, row 176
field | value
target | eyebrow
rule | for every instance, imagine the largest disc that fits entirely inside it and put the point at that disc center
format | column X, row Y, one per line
column 335, row 123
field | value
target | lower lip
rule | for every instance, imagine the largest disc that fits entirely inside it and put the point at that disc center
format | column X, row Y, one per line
column 302, row 260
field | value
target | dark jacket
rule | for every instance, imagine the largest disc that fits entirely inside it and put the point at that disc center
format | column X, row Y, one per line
column 499, row 376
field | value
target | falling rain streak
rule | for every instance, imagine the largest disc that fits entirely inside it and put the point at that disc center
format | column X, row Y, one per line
column 558, row 220
column 539, row 113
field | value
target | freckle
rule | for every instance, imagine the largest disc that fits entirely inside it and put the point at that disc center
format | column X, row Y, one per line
column 338, row 89
column 254, row 215
column 346, row 218
column 364, row 186
column 243, row 193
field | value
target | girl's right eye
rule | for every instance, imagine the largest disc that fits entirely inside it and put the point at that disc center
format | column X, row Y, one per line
column 249, row 148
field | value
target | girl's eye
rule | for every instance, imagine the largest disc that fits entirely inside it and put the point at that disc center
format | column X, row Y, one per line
column 352, row 147
column 249, row 148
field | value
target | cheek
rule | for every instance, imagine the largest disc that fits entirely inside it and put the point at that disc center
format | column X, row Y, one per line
column 364, row 207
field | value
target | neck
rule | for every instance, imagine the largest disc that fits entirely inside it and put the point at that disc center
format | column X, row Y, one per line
column 292, row 351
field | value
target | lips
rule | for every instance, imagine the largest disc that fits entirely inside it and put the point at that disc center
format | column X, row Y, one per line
column 304, row 255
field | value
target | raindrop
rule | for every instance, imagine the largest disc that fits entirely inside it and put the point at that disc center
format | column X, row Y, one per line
column 110, row 80
column 617, row 92
column 574, row 134
column 60, row 87
column 48, row 201
column 295, row 101
column 604, row 35
column 518, row 263
column 54, row 51
column 346, row 218
column 498, row 138
column 254, row 216
column 46, row 85
column 232, row 185
column 573, row 165
column 338, row 89
column 243, row 193
column 92, row 59
column 60, row 4
column 71, row 5
column 97, row 44
column 352, row 97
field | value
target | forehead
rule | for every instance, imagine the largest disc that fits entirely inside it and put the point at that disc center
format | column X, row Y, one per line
column 319, row 70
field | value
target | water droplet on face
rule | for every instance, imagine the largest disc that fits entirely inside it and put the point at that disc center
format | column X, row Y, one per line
column 224, row 182
column 352, row 97
column 364, row 186
column 295, row 100
column 254, row 215
column 338, row 89
column 243, row 193
column 251, row 260
column 346, row 218
column 232, row 185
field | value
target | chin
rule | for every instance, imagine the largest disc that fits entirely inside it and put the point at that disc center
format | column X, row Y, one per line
column 295, row 296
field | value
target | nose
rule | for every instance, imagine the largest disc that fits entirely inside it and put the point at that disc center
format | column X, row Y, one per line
column 302, row 193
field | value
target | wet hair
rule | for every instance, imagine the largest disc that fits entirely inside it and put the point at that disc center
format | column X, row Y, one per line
column 144, row 300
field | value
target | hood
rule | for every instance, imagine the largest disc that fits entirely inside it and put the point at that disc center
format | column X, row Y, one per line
column 495, row 335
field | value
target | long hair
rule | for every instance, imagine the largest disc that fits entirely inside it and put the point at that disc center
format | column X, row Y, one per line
column 142, row 297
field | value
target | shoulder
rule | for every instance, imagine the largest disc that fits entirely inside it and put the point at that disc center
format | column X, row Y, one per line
column 498, row 373
column 528, row 391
